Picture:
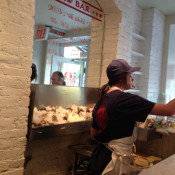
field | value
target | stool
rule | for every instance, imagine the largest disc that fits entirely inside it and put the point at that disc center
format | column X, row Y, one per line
column 85, row 150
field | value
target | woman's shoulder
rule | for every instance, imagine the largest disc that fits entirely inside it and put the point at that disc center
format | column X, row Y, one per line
column 119, row 93
column 124, row 96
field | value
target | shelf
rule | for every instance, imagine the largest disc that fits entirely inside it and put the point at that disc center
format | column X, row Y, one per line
column 137, row 54
column 138, row 37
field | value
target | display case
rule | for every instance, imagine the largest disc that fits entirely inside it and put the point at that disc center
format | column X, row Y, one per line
column 48, row 96
column 52, row 97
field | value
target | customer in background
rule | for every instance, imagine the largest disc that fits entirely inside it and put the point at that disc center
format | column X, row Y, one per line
column 58, row 78
column 115, row 116
column 28, row 154
column 34, row 72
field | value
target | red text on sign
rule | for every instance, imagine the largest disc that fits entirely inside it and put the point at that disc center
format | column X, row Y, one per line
column 82, row 6
column 40, row 34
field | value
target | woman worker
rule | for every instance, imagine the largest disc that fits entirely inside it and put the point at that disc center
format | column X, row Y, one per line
column 115, row 115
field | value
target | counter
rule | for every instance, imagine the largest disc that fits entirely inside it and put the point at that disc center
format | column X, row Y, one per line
column 165, row 167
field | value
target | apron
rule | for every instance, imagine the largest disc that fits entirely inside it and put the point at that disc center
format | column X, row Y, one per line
column 119, row 147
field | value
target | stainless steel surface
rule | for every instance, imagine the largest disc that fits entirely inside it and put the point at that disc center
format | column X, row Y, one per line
column 60, row 130
column 49, row 95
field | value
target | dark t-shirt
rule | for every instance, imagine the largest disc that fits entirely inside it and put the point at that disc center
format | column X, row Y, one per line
column 114, row 116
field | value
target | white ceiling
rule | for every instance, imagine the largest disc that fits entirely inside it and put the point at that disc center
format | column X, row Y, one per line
column 75, row 24
column 166, row 6
column 56, row 14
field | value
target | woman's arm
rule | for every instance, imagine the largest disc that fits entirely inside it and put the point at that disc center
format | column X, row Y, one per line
column 164, row 109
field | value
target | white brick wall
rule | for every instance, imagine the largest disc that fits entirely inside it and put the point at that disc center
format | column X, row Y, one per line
column 94, row 63
column 150, row 24
column 39, row 50
column 153, row 28
column 16, row 33
column 126, row 25
column 115, row 41
column 169, row 21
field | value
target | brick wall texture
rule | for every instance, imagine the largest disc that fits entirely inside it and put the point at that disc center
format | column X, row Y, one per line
column 16, row 33
column 112, row 38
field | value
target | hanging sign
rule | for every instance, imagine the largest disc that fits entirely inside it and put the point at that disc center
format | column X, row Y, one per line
column 84, row 7
column 42, row 33
column 56, row 32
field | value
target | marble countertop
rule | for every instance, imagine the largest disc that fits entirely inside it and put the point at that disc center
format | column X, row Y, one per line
column 165, row 167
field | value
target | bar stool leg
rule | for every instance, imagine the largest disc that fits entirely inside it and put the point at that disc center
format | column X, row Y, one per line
column 74, row 171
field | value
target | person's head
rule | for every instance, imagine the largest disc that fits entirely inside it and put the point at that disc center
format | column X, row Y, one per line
column 119, row 73
column 58, row 78
column 34, row 72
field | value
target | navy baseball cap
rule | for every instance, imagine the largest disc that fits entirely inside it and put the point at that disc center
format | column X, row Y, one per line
column 118, row 67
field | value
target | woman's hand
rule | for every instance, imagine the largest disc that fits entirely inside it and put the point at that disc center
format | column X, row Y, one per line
column 133, row 148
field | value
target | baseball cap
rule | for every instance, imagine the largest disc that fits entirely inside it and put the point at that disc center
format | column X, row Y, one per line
column 118, row 67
